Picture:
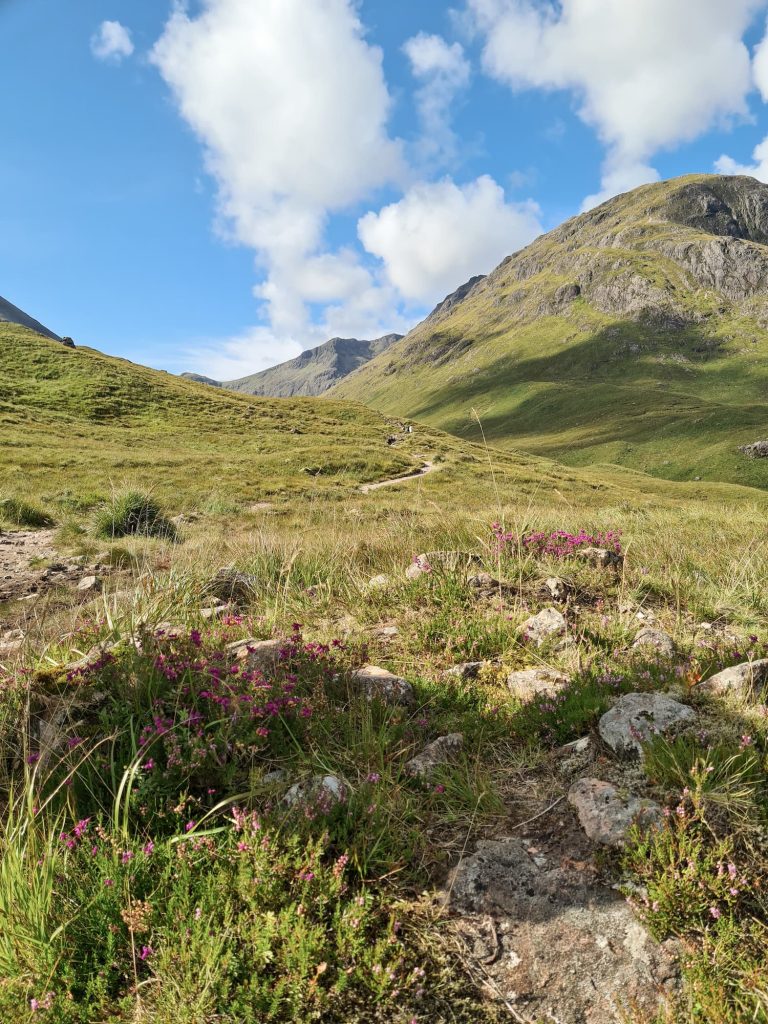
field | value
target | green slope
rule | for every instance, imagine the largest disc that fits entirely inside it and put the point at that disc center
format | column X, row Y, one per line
column 634, row 334
column 76, row 421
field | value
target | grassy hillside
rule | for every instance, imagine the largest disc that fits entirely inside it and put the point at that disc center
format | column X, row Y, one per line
column 634, row 334
column 75, row 422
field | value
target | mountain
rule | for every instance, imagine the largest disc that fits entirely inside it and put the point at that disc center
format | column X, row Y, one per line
column 13, row 315
column 311, row 373
column 200, row 379
column 634, row 334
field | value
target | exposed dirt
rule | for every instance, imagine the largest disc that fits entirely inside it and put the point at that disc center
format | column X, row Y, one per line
column 20, row 575
column 428, row 467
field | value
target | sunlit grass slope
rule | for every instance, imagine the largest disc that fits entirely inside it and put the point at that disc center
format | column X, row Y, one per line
column 633, row 335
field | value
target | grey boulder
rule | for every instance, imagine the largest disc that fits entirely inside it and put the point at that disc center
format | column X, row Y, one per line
column 637, row 717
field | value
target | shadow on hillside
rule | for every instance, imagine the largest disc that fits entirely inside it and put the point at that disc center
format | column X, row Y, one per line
column 610, row 388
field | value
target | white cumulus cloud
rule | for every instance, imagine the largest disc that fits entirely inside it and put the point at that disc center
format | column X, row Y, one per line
column 648, row 74
column 291, row 105
column 442, row 71
column 112, row 41
column 440, row 234
column 758, row 169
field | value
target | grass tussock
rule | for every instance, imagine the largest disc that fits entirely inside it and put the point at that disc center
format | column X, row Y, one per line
column 17, row 512
column 132, row 514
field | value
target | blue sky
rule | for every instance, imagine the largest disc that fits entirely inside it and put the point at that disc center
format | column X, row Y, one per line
column 217, row 186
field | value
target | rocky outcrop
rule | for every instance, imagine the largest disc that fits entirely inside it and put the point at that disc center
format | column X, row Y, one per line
column 380, row 684
column 524, row 915
column 441, row 751
column 638, row 717
column 745, row 680
column 528, row 683
column 547, row 624
column 756, row 450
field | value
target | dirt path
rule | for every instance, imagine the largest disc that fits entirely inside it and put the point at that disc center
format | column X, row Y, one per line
column 428, row 467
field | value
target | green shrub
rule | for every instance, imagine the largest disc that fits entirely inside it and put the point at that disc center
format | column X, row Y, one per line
column 17, row 512
column 132, row 513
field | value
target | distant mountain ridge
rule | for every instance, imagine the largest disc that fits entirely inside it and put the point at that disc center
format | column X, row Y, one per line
column 310, row 374
column 11, row 314
column 634, row 334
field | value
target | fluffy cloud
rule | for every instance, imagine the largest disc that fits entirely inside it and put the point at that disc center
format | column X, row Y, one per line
column 649, row 74
column 112, row 41
column 760, row 66
column 291, row 105
column 759, row 169
column 439, row 235
column 442, row 71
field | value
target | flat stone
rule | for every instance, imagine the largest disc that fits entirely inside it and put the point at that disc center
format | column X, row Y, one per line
column 440, row 751
column 379, row 582
column 380, row 684
column 556, row 589
column 637, row 717
column 546, row 624
column 528, row 683
column 655, row 638
column 466, row 670
column 216, row 611
column 745, row 680
column 258, row 655
column 89, row 583
column 559, row 945
column 601, row 557
column 606, row 816
column 321, row 792
column 446, row 561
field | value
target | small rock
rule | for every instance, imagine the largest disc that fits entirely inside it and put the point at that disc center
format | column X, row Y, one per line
column 606, row 816
column 379, row 684
column 580, row 746
column 637, row 717
column 216, row 611
column 655, row 638
column 743, row 680
column 528, row 683
column 556, row 589
column 379, row 582
column 447, row 561
column 278, row 775
column 89, row 583
column 324, row 791
column 387, row 632
column 259, row 655
column 483, row 581
column 601, row 557
column 546, row 624
column 438, row 752
column 466, row 670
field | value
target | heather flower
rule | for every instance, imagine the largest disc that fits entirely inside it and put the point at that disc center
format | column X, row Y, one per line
column 715, row 912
